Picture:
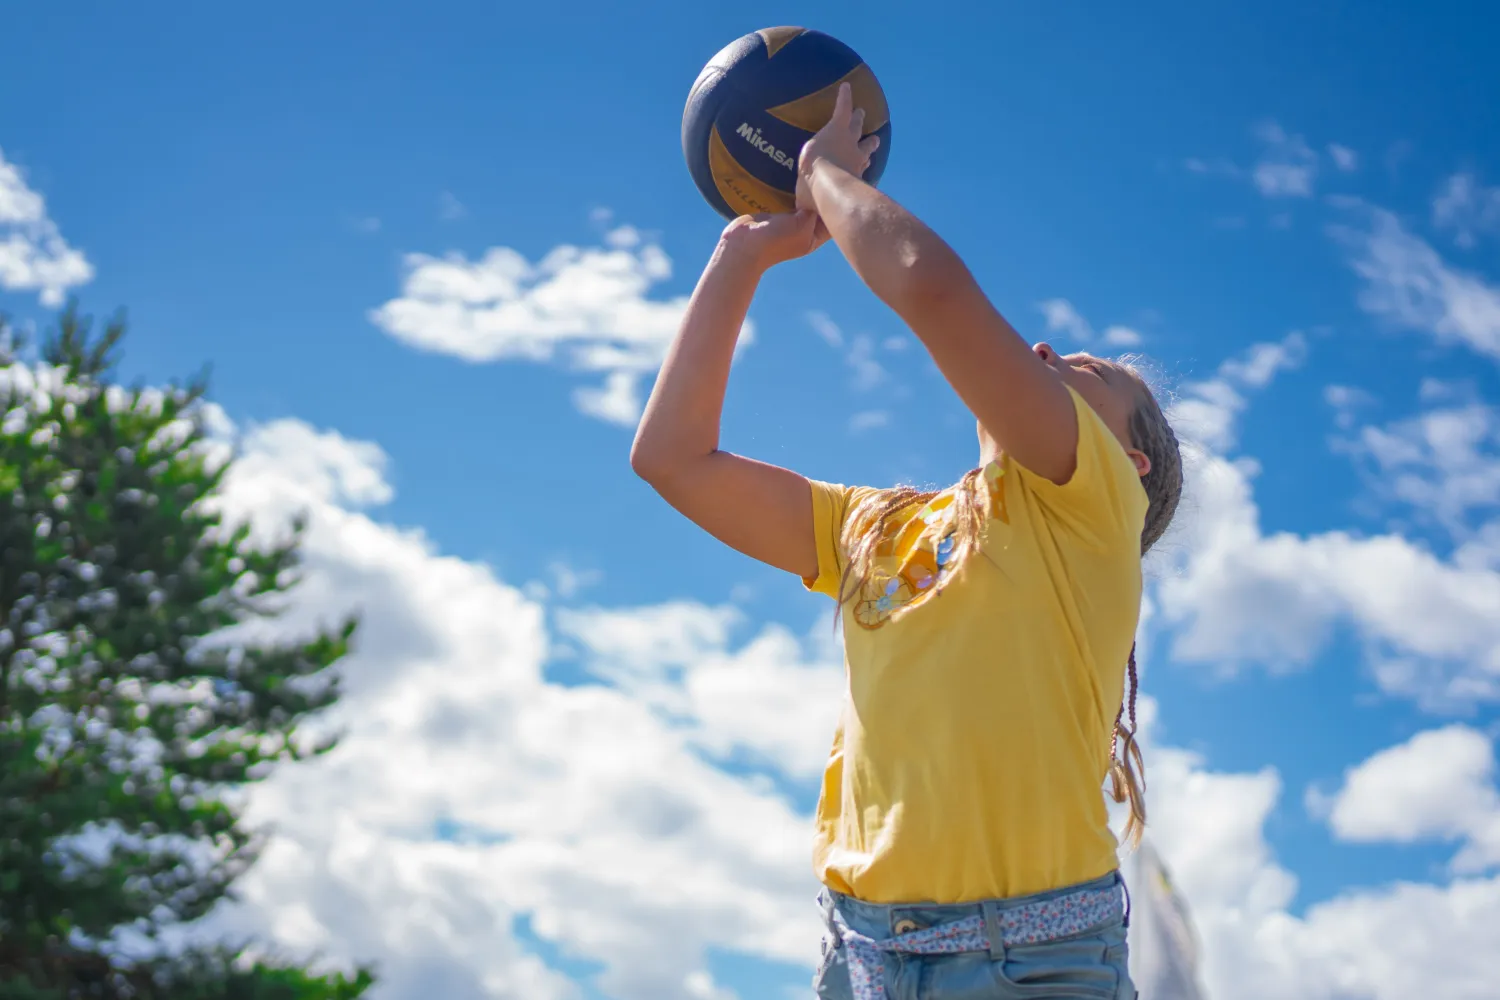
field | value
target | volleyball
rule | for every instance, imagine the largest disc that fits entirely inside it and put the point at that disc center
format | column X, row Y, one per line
column 758, row 101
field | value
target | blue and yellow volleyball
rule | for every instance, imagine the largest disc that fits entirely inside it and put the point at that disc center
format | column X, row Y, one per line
column 758, row 101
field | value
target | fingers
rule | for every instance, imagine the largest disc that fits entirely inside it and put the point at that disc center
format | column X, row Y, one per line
column 843, row 104
column 857, row 122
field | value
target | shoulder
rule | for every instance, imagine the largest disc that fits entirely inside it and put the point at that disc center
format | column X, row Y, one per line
column 1104, row 496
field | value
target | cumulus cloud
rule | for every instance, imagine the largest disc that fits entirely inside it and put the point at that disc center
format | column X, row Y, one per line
column 34, row 257
column 1409, row 285
column 1380, row 943
column 587, row 307
column 1240, row 595
column 1061, row 317
column 1438, row 785
column 765, row 702
column 472, row 793
column 1444, row 462
column 1206, row 412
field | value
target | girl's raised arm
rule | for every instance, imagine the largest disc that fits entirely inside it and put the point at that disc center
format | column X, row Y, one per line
column 1014, row 394
column 762, row 510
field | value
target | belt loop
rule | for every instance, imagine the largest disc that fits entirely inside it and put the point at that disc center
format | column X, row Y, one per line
column 827, row 905
column 992, row 930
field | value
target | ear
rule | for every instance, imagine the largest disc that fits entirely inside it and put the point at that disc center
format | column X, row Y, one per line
column 1142, row 461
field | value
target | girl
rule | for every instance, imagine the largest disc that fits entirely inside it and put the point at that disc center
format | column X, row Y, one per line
column 961, row 836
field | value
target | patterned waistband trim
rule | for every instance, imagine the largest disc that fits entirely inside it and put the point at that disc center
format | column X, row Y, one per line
column 1033, row 923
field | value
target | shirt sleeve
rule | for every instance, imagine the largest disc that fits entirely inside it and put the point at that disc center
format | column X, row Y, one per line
column 831, row 505
column 1104, row 502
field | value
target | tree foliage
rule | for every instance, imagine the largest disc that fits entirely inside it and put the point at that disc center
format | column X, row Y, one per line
column 127, row 723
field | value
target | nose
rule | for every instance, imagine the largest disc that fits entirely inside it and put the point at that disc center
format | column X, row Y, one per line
column 1045, row 351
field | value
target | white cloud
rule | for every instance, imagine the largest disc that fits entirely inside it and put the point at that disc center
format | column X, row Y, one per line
column 1445, row 462
column 1287, row 165
column 1383, row 943
column 1061, row 317
column 868, row 420
column 1467, row 208
column 764, row 700
column 1122, row 336
column 1346, row 400
column 1408, row 284
column 589, row 305
column 1343, row 157
column 590, row 810
column 1244, row 596
column 1206, row 412
column 1438, row 785
column 34, row 257
column 868, row 373
column 860, row 356
column 1239, row 595
column 824, row 326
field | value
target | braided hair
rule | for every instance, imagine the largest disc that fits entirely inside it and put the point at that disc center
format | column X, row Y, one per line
column 1151, row 432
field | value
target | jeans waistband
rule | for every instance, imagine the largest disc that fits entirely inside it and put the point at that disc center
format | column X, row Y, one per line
column 869, row 930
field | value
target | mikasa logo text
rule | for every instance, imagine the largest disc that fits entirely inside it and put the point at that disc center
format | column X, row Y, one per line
column 752, row 136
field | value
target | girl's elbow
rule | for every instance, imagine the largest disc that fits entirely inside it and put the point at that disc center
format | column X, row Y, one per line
column 646, row 461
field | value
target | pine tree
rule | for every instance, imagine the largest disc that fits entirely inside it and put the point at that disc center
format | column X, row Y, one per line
column 123, row 732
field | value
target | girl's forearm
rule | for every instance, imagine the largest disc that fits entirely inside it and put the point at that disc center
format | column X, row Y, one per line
column 681, row 421
column 893, row 251
column 1017, row 398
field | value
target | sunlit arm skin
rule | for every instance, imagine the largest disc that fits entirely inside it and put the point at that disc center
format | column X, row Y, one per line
column 1018, row 398
column 762, row 510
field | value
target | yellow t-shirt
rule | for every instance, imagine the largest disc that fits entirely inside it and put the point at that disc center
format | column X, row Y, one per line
column 974, row 740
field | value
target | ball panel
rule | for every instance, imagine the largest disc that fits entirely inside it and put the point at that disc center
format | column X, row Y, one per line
column 764, row 147
column 737, row 51
column 775, row 38
column 797, row 71
column 811, row 112
column 704, row 102
column 739, row 193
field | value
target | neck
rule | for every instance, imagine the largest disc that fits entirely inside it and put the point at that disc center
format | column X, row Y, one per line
column 989, row 450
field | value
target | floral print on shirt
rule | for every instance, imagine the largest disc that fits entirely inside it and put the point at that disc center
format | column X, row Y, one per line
column 922, row 549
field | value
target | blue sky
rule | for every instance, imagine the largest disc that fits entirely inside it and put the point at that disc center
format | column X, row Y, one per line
column 1293, row 213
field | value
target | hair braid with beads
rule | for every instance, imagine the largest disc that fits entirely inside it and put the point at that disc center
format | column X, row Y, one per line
column 1151, row 432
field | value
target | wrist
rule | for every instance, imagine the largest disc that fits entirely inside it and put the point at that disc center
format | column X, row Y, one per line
column 817, row 172
column 737, row 255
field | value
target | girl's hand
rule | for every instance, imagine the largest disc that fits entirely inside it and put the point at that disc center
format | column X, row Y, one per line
column 767, row 239
column 839, row 143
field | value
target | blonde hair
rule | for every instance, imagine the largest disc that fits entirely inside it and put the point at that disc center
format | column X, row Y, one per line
column 1150, row 431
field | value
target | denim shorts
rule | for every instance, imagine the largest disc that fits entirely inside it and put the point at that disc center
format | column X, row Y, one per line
column 1086, row 964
